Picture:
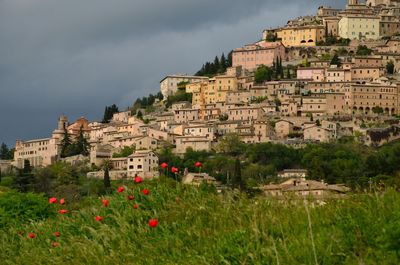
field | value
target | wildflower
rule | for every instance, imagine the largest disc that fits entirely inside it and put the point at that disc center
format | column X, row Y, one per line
column 198, row 164
column 57, row 234
column 174, row 170
column 120, row 189
column 63, row 211
column 135, row 206
column 53, row 200
column 145, row 191
column 99, row 218
column 131, row 198
column 164, row 165
column 55, row 244
column 153, row 222
column 31, row 235
column 105, row 202
column 138, row 179
column 62, row 201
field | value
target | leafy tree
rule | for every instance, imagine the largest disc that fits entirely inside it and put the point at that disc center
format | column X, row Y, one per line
column 390, row 67
column 139, row 115
column 363, row 50
column 377, row 110
column 125, row 152
column 231, row 144
column 336, row 61
column 271, row 37
column 263, row 73
column 82, row 145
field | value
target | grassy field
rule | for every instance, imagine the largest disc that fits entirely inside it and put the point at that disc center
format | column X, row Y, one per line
column 196, row 226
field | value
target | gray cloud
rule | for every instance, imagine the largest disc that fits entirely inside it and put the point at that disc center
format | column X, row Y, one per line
column 75, row 57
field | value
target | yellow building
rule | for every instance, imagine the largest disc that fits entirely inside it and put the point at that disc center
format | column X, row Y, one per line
column 359, row 27
column 213, row 91
column 301, row 35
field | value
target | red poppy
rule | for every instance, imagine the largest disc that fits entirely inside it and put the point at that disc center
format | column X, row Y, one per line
column 120, row 189
column 153, row 222
column 62, row 201
column 31, row 235
column 145, row 191
column 131, row 198
column 99, row 218
column 55, row 244
column 135, row 206
column 174, row 170
column 198, row 164
column 105, row 202
column 57, row 234
column 164, row 165
column 63, row 211
column 138, row 180
column 53, row 200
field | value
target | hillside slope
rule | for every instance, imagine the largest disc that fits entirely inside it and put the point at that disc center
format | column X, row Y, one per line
column 197, row 226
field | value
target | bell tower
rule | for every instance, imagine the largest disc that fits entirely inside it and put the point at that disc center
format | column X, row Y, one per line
column 353, row 2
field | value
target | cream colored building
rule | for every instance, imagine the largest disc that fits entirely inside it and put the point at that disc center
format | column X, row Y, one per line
column 197, row 143
column 143, row 163
column 169, row 84
column 359, row 27
column 41, row 152
column 362, row 98
column 283, row 128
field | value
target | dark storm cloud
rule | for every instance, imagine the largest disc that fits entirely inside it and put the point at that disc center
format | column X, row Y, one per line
column 75, row 56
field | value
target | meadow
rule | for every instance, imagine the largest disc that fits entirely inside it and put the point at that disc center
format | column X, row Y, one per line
column 199, row 226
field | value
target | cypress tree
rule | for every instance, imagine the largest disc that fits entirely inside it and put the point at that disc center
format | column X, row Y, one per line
column 106, row 180
column 82, row 145
column 23, row 180
column 65, row 143
column 237, row 177
column 222, row 63
column 229, row 63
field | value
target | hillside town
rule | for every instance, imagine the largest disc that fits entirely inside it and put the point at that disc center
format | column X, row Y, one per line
column 317, row 79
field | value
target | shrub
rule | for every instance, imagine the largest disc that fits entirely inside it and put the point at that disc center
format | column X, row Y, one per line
column 17, row 208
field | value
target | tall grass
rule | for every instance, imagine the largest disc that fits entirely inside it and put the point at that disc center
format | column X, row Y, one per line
column 200, row 227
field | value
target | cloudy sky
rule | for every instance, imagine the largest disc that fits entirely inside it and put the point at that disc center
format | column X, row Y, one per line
column 75, row 57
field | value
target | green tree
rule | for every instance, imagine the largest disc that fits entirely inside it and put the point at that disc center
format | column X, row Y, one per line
column 237, row 181
column 390, row 67
column 66, row 144
column 5, row 152
column 363, row 50
column 222, row 63
column 125, row 152
column 106, row 179
column 336, row 61
column 109, row 112
column 377, row 110
column 263, row 73
column 23, row 179
column 231, row 144
column 139, row 115
column 82, row 145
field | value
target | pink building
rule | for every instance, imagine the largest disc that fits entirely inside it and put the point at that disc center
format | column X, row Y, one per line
column 253, row 55
column 315, row 74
